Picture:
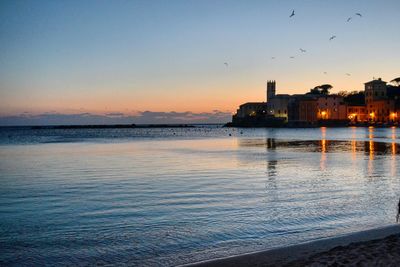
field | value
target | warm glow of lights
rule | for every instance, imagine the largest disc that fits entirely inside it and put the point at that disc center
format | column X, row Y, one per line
column 393, row 141
column 353, row 149
column 353, row 142
column 394, row 151
column 324, row 114
column 372, row 114
column 352, row 116
column 253, row 113
column 323, row 148
column 371, row 142
column 323, row 145
column 371, row 149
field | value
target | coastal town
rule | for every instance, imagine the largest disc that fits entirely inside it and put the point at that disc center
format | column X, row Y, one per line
column 377, row 105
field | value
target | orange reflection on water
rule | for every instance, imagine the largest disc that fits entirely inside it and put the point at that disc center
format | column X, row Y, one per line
column 393, row 141
column 393, row 159
column 371, row 150
column 323, row 148
column 371, row 142
column 353, row 143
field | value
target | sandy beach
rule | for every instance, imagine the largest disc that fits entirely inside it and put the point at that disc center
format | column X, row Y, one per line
column 374, row 247
column 379, row 252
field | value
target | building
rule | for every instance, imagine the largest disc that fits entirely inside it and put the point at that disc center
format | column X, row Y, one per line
column 308, row 110
column 393, row 92
column 380, row 106
column 378, row 103
column 357, row 113
column 331, row 107
column 277, row 105
column 317, row 108
column 271, row 90
column 254, row 114
column 375, row 90
column 251, row 109
column 382, row 111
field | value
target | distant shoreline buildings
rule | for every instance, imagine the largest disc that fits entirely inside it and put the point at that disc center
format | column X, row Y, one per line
column 378, row 104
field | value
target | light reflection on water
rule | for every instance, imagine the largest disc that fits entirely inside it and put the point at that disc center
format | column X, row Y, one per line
column 191, row 196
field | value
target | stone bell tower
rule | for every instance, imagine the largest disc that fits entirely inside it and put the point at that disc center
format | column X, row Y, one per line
column 271, row 90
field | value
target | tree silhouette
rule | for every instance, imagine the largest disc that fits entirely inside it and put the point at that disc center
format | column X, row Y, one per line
column 321, row 89
column 325, row 89
column 396, row 81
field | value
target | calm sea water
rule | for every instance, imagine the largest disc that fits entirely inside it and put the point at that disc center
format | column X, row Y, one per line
column 163, row 197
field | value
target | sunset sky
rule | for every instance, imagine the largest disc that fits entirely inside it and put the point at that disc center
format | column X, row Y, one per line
column 127, row 57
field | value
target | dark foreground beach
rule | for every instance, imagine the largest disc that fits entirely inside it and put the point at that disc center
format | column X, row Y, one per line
column 375, row 247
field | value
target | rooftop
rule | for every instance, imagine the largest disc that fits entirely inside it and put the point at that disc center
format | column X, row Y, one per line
column 379, row 80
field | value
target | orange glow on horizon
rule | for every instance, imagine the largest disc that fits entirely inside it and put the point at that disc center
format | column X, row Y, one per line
column 223, row 95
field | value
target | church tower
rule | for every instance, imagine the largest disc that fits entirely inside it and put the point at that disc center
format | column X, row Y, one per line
column 271, row 85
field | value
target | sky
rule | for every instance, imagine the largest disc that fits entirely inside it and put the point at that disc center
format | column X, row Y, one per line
column 93, row 58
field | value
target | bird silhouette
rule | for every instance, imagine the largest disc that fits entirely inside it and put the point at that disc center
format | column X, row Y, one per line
column 303, row 50
column 325, row 72
column 272, row 57
column 226, row 64
column 332, row 37
column 291, row 15
column 349, row 19
column 292, row 57
column 358, row 14
column 348, row 74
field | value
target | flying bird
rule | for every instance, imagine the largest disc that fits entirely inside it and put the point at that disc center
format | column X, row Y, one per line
column 348, row 74
column 332, row 37
column 303, row 50
column 292, row 57
column 226, row 64
column 325, row 72
column 292, row 14
column 349, row 19
column 358, row 14
column 272, row 57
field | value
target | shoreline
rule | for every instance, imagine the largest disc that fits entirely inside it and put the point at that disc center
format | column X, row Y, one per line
column 191, row 125
column 297, row 254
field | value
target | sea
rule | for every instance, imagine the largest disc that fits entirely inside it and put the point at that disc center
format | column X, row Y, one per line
column 173, row 196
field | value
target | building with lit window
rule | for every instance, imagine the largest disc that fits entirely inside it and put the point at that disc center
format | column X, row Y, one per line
column 277, row 104
column 357, row 113
column 331, row 107
column 254, row 114
column 380, row 107
column 379, row 103
column 251, row 109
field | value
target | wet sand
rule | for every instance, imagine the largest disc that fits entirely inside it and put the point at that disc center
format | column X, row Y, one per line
column 379, row 252
column 375, row 247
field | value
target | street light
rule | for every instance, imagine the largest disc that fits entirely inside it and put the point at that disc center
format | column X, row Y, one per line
column 323, row 113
